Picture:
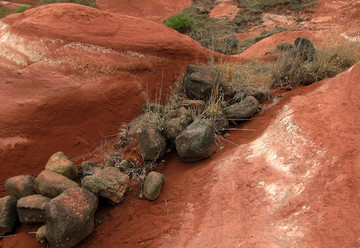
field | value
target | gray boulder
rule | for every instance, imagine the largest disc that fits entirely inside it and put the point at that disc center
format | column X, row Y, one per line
column 242, row 110
column 304, row 49
column 152, row 145
column 20, row 186
column 8, row 214
column 41, row 234
column 61, row 164
column 70, row 217
column 196, row 142
column 152, row 185
column 200, row 80
column 109, row 183
column 89, row 168
column 31, row 209
column 52, row 184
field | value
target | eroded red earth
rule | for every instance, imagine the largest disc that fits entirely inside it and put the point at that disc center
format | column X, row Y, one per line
column 71, row 74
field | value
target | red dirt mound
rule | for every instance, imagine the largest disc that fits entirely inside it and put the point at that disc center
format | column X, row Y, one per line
column 71, row 74
column 155, row 10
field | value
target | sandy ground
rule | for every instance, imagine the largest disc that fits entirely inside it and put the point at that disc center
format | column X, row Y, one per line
column 291, row 182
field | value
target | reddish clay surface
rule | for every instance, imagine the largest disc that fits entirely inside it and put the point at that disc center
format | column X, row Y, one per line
column 292, row 180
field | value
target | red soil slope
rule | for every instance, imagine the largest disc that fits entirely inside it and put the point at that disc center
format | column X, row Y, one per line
column 71, row 74
column 155, row 10
column 292, row 182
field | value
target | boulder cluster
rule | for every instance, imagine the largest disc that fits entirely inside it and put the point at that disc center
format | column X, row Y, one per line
column 191, row 126
column 65, row 207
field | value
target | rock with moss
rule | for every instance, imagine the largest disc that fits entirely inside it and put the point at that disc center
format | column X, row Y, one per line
column 200, row 81
column 70, row 217
column 196, row 142
column 20, row 186
column 61, row 164
column 8, row 214
column 109, row 183
column 152, row 185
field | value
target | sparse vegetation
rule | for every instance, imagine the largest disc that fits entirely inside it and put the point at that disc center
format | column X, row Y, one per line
column 4, row 12
column 209, row 32
column 91, row 3
column 22, row 8
column 292, row 69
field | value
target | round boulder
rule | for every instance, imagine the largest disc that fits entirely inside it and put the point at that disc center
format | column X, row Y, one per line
column 152, row 185
column 242, row 110
column 196, row 142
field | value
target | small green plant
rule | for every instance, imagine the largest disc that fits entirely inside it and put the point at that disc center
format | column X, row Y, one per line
column 90, row 3
column 181, row 23
column 4, row 12
column 22, row 8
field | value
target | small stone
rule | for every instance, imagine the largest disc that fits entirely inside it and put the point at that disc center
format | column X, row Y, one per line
column 41, row 235
column 152, row 185
column 20, row 186
column 52, row 184
column 31, row 209
column 89, row 168
column 61, row 164
column 8, row 214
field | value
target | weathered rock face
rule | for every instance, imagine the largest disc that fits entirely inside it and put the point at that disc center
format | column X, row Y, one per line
column 61, row 164
column 41, row 234
column 242, row 110
column 31, row 209
column 20, row 186
column 52, row 184
column 152, row 145
column 196, row 142
column 304, row 49
column 8, row 214
column 152, row 185
column 70, row 217
column 89, row 168
column 109, row 183
column 199, row 82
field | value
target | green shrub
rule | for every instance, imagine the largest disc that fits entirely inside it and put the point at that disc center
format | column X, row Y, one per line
column 181, row 23
column 22, row 8
column 91, row 3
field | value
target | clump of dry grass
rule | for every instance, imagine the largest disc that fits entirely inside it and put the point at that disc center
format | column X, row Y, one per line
column 291, row 69
column 248, row 78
